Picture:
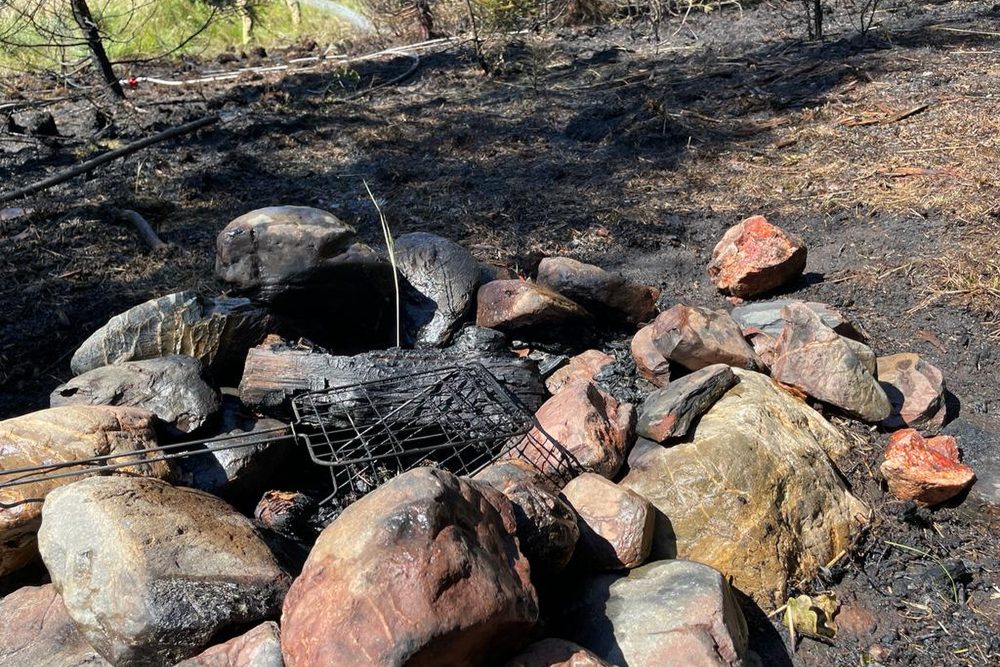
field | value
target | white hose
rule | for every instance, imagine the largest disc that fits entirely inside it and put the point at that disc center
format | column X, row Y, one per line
column 315, row 61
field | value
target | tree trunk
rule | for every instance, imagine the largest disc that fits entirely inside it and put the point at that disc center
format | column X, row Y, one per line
column 84, row 19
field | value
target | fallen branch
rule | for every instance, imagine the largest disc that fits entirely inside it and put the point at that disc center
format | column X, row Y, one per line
column 110, row 156
column 145, row 230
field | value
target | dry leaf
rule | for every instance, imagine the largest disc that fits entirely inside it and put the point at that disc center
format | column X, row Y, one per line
column 813, row 616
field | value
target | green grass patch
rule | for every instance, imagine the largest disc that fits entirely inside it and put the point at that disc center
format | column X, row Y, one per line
column 138, row 29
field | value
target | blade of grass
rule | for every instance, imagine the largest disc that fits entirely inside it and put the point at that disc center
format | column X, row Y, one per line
column 927, row 554
column 391, row 248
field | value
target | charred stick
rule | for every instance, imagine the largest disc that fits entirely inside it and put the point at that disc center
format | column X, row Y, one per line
column 84, row 167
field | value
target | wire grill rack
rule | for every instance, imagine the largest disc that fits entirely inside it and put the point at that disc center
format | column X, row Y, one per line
column 457, row 418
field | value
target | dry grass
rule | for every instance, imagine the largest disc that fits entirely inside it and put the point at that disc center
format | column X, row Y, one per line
column 920, row 145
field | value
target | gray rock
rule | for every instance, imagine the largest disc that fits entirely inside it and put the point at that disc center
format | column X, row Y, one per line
column 751, row 491
column 254, row 448
column 766, row 316
column 601, row 292
column 813, row 358
column 669, row 613
column 668, row 413
column 36, row 630
column 270, row 249
column 216, row 331
column 150, row 573
column 441, row 279
column 170, row 387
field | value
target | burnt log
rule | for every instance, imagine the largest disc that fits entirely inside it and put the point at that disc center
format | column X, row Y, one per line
column 276, row 371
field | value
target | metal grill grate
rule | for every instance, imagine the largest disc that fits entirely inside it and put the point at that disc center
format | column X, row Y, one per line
column 457, row 418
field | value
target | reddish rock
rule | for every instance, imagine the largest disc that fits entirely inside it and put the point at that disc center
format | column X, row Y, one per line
column 36, row 630
column 616, row 525
column 650, row 363
column 754, row 257
column 600, row 291
column 556, row 653
column 580, row 427
column 260, row 647
column 506, row 472
column 916, row 391
column 520, row 306
column 926, row 470
column 697, row 337
column 421, row 572
column 668, row 413
column 583, row 366
column 812, row 357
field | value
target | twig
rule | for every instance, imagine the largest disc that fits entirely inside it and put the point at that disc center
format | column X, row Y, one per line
column 966, row 32
column 145, row 230
column 84, row 167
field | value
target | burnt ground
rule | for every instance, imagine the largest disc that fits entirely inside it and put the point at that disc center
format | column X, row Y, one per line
column 879, row 150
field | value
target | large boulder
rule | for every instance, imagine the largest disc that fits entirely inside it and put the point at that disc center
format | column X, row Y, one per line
column 751, row 491
column 556, row 653
column 527, row 309
column 697, row 337
column 36, row 630
column 670, row 613
column 601, row 292
column 260, row 647
column 216, row 331
column 305, row 264
column 170, row 387
column 925, row 470
column 754, row 257
column 580, row 428
column 813, row 358
column 421, row 572
column 669, row 412
column 150, row 573
column 441, row 278
column 57, row 436
column 915, row 388
column 616, row 525
column 268, row 250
